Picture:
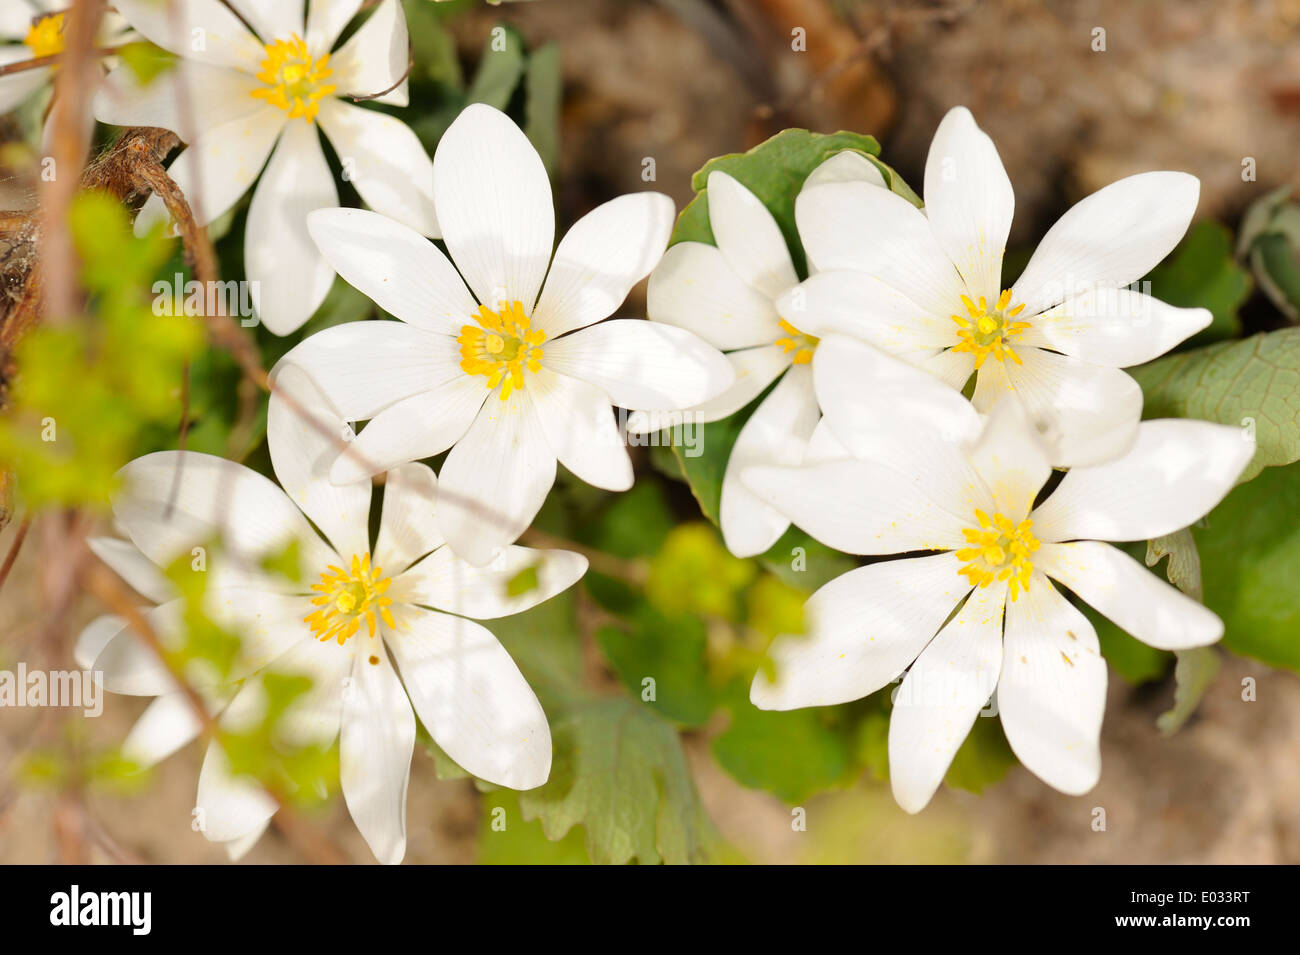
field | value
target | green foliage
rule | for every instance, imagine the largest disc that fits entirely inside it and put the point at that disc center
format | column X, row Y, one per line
column 620, row 773
column 1250, row 557
column 1270, row 239
column 65, row 444
column 146, row 61
column 694, row 573
column 505, row 838
column 1195, row 671
column 793, row 754
column 984, row 758
column 1201, row 273
column 1243, row 383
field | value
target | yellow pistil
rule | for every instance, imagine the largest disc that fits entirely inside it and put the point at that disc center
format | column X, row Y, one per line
column 988, row 331
column 501, row 346
column 347, row 597
column 295, row 82
column 45, row 38
column 999, row 550
column 796, row 341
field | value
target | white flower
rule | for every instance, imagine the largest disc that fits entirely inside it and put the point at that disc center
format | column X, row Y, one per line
column 935, row 475
column 927, row 286
column 241, row 99
column 358, row 604
column 30, row 29
column 727, row 295
column 508, row 380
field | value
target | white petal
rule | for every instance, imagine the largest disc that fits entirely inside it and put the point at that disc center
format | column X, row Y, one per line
column 167, row 724
column 1052, row 692
column 694, row 288
column 844, row 225
column 1116, row 327
column 969, row 201
column 858, row 507
column 887, row 411
column 125, row 560
column 755, row 369
column 376, row 741
column 416, row 427
column 748, row 236
column 167, row 517
column 855, row 304
column 1085, row 412
column 376, row 57
column 494, row 206
column 941, row 696
column 1130, row 595
column 776, row 433
column 607, row 251
column 272, row 19
column 580, row 428
column 403, row 272
column 175, row 99
column 472, row 698
column 642, row 366
column 203, row 30
column 228, row 806
column 94, row 637
column 1109, row 239
column 15, row 88
column 365, row 367
column 217, row 169
column 326, row 20
column 236, row 849
column 863, row 629
column 312, row 718
column 408, row 527
column 289, row 277
column 953, row 368
column 305, row 435
column 445, row 582
column 1174, row 474
column 1012, row 460
column 385, row 162
column 846, row 166
column 495, row 479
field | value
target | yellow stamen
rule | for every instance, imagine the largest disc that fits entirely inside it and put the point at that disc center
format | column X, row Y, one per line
column 502, row 346
column 999, row 550
column 346, row 597
column 796, row 341
column 45, row 38
column 983, row 331
column 295, row 82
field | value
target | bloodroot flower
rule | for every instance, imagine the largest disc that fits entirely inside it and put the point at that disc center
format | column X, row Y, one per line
column 927, row 286
column 982, row 612
column 371, row 623
column 237, row 99
column 510, row 372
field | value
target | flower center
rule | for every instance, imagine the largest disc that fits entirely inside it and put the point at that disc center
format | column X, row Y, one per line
column 294, row 81
column 346, row 597
column 796, row 341
column 999, row 550
column 501, row 346
column 45, row 38
column 984, row 331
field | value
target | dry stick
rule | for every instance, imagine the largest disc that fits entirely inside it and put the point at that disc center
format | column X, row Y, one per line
column 112, row 593
column 13, row 549
column 53, row 59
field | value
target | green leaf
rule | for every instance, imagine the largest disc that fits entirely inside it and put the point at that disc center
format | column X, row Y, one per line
column 543, row 87
column 1202, row 273
column 1193, row 675
column 670, row 651
column 1132, row 659
column 1251, row 382
column 984, row 758
column 1250, row 557
column 1184, row 561
column 775, row 171
column 792, row 754
column 620, row 773
column 506, row 838
column 499, row 70
column 545, row 645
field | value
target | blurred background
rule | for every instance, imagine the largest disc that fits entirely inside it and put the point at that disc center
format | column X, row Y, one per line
column 1196, row 85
